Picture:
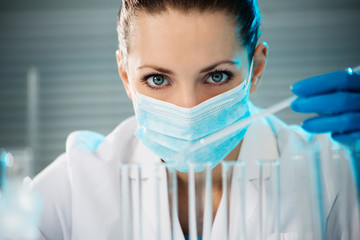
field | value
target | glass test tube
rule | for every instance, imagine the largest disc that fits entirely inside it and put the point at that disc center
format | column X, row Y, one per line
column 157, row 201
column 200, row 200
column 346, row 204
column 163, row 219
column 138, row 216
column 125, row 196
column 354, row 165
column 208, row 212
column 173, row 200
column 131, row 202
column 269, row 199
column 308, row 192
column 233, row 195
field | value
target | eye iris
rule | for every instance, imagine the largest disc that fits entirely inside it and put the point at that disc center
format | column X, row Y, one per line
column 216, row 77
column 158, row 80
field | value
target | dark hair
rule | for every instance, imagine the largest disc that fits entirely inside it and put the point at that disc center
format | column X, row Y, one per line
column 245, row 12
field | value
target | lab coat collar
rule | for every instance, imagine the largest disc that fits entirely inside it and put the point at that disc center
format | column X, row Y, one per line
column 259, row 144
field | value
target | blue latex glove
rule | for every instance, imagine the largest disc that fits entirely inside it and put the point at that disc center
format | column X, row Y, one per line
column 336, row 98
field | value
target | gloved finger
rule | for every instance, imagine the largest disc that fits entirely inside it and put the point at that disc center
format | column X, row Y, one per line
column 346, row 138
column 328, row 103
column 327, row 83
column 346, row 122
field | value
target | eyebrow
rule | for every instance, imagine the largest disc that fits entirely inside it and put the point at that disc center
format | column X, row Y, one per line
column 167, row 71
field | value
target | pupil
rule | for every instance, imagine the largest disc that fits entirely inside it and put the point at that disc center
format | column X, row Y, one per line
column 217, row 77
column 158, row 80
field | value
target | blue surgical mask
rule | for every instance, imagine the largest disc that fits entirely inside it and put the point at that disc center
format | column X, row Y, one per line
column 166, row 129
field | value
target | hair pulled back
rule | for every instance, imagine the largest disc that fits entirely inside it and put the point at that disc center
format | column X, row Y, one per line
column 245, row 13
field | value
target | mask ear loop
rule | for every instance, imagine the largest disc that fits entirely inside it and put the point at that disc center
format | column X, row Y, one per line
column 250, row 75
column 134, row 94
column 135, row 98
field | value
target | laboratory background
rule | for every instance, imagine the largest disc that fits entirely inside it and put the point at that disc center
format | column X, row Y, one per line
column 58, row 69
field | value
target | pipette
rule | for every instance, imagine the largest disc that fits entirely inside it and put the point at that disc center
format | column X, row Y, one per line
column 236, row 126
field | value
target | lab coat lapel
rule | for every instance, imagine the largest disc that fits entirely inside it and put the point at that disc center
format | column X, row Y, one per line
column 235, row 225
column 259, row 143
column 151, row 209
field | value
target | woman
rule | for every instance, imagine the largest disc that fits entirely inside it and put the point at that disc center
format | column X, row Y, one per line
column 182, row 63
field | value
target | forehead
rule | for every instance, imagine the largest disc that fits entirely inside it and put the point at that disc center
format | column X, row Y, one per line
column 175, row 37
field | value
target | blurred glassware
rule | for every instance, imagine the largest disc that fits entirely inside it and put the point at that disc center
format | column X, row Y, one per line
column 287, row 197
column 20, row 207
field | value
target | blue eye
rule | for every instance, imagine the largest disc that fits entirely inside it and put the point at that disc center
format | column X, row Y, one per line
column 157, row 81
column 218, row 77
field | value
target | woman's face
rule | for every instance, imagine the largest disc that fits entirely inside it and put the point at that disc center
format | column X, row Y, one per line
column 183, row 59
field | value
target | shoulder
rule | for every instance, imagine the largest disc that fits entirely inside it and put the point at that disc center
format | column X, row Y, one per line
column 283, row 133
column 54, row 187
column 292, row 138
column 293, row 141
column 86, row 141
column 125, row 129
column 56, row 181
column 120, row 143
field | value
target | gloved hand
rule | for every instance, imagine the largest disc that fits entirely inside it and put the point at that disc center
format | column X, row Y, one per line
column 336, row 98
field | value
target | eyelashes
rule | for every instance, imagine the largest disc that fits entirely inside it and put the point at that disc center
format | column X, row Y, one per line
column 227, row 72
column 146, row 78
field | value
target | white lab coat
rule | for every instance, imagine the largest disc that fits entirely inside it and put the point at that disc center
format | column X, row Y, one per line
column 81, row 189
